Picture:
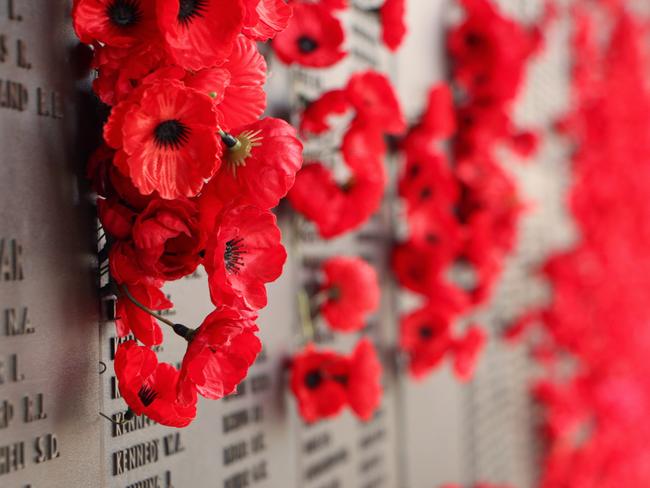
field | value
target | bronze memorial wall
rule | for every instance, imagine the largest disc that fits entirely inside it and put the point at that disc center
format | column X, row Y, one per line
column 56, row 362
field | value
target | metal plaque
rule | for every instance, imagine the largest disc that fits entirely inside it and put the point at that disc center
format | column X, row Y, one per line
column 49, row 427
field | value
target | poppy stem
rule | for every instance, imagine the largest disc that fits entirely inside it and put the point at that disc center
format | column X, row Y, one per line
column 159, row 317
column 304, row 309
column 229, row 140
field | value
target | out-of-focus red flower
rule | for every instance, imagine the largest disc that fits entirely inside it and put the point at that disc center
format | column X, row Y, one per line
column 264, row 19
column 131, row 318
column 315, row 117
column 169, row 140
column 149, row 387
column 364, row 382
column 313, row 38
column 348, row 205
column 120, row 23
column 242, row 255
column 168, row 239
column 375, row 101
column 428, row 182
column 393, row 27
column 262, row 165
column 352, row 290
column 199, row 34
column 318, row 382
column 219, row 354
column 425, row 336
column 416, row 268
column 466, row 352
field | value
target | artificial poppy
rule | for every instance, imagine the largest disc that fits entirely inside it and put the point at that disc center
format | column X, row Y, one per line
column 169, row 140
column 149, row 387
column 315, row 118
column 116, row 218
column 393, row 28
column 417, row 268
column 352, row 290
column 120, row 23
column 243, row 254
column 219, row 354
column 264, row 19
column 425, row 336
column 375, row 101
column 364, row 381
column 129, row 317
column 168, row 239
column 200, row 33
column 121, row 70
column 313, row 38
column 318, row 382
column 259, row 165
column 125, row 267
column 466, row 351
column 349, row 204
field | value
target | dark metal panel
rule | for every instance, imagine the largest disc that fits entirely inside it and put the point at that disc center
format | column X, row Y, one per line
column 49, row 427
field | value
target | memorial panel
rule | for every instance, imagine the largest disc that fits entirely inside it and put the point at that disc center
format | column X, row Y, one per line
column 49, row 427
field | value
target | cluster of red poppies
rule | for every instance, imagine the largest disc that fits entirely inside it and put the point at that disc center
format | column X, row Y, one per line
column 462, row 217
column 370, row 97
column 315, row 36
column 599, row 319
column 187, row 176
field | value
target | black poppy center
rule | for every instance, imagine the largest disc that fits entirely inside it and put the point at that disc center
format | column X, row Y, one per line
column 425, row 193
column 313, row 379
column 307, row 44
column 147, row 395
column 189, row 9
column 426, row 332
column 414, row 170
column 233, row 256
column 473, row 39
column 124, row 13
column 171, row 134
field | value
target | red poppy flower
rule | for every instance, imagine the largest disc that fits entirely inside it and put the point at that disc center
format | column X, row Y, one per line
column 425, row 336
column 244, row 99
column 318, row 382
column 314, row 118
column 466, row 352
column 243, row 254
column 131, row 318
column 314, row 37
column 374, row 98
column 168, row 239
column 260, row 166
column 115, row 22
column 200, row 33
column 364, row 382
column 348, row 205
column 169, row 141
column 428, row 181
column 149, row 387
column 417, row 268
column 439, row 117
column 219, row 354
column 265, row 18
column 393, row 29
column 121, row 70
column 125, row 268
column 116, row 218
column 352, row 290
